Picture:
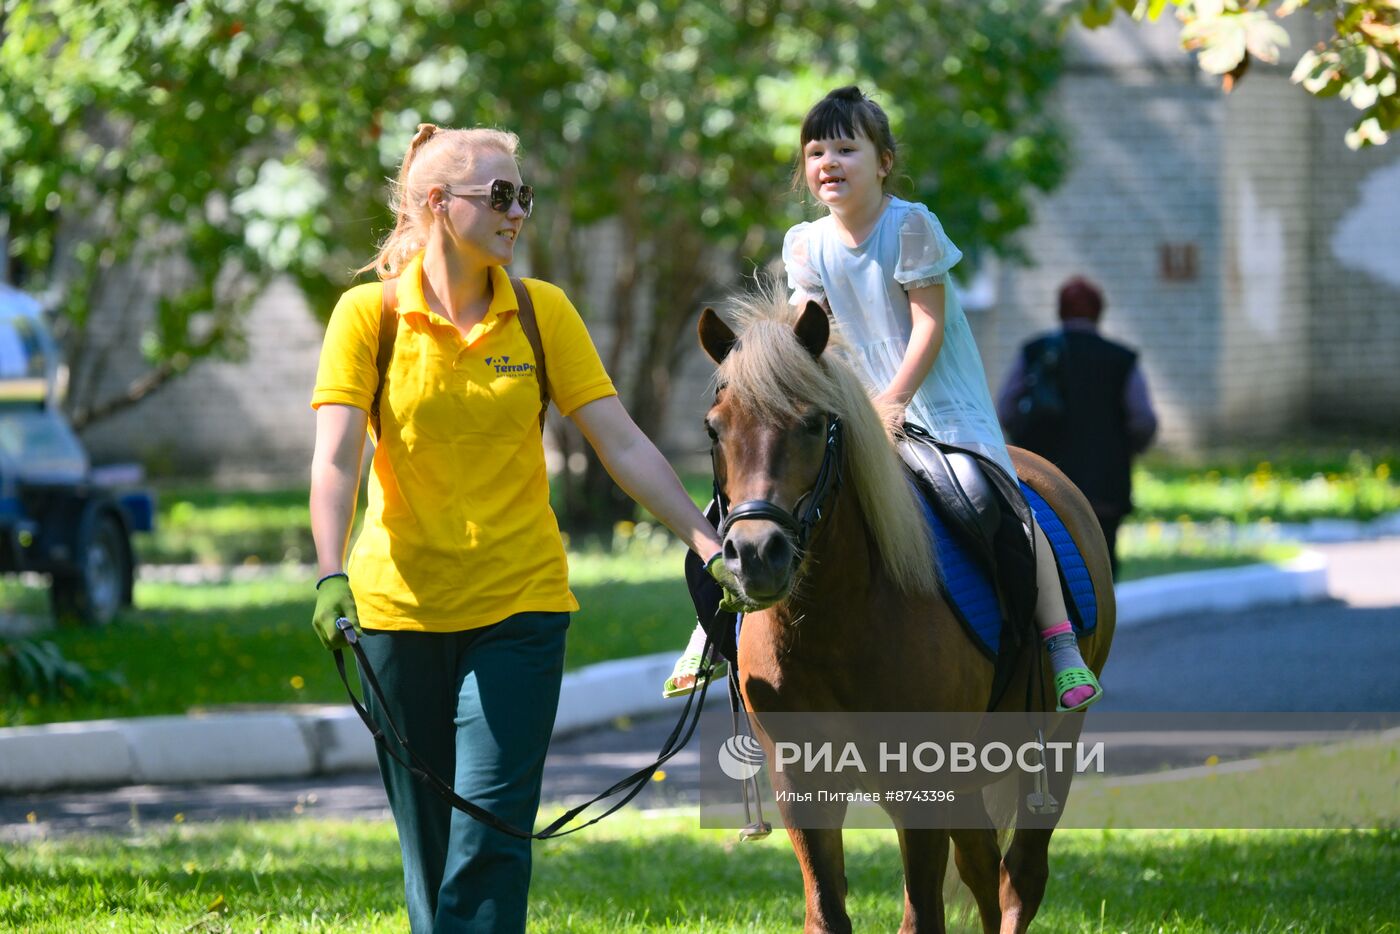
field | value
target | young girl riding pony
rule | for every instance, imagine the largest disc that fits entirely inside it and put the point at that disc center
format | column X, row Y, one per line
column 880, row 265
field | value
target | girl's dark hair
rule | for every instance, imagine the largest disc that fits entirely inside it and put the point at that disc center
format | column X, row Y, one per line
column 846, row 112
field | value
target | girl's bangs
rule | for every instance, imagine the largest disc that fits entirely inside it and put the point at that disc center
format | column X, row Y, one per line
column 831, row 119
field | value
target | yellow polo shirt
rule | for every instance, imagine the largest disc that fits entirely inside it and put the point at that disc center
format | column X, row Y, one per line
column 458, row 532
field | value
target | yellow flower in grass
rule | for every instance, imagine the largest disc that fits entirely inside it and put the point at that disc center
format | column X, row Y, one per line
column 297, row 682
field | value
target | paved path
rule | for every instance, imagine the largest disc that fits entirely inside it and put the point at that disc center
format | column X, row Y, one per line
column 1341, row 655
column 578, row 768
column 1336, row 656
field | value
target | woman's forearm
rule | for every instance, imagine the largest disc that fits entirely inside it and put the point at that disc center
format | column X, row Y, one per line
column 647, row 477
column 335, row 482
column 333, row 494
column 638, row 467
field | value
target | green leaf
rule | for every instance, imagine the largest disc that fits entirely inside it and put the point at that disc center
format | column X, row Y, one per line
column 1096, row 13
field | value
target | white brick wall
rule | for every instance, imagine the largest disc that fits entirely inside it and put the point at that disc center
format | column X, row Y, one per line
column 1265, row 214
column 240, row 420
column 1142, row 175
column 1354, row 288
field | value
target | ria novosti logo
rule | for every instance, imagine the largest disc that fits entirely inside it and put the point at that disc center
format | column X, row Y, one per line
column 741, row 758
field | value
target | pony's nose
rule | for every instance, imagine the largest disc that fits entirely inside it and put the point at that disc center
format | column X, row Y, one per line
column 762, row 560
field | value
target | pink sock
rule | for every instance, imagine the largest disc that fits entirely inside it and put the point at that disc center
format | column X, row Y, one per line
column 1064, row 653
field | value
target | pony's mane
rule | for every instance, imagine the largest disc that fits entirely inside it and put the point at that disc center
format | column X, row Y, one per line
column 771, row 374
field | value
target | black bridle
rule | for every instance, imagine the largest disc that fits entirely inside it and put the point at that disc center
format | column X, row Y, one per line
column 807, row 511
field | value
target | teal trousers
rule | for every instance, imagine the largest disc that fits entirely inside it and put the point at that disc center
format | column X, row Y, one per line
column 478, row 707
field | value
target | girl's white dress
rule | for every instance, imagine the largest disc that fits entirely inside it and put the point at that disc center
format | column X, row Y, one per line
column 867, row 286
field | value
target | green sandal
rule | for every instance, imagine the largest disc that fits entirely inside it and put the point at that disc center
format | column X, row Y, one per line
column 690, row 665
column 1072, row 678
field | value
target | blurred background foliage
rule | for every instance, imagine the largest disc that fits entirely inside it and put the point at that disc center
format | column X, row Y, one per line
column 182, row 155
column 223, row 528
column 186, row 154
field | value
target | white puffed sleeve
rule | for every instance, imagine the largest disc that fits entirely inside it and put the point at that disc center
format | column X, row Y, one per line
column 801, row 276
column 925, row 252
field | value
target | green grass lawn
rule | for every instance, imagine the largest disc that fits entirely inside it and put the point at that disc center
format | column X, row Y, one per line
column 636, row 873
column 1286, row 485
column 640, row 871
column 1145, row 554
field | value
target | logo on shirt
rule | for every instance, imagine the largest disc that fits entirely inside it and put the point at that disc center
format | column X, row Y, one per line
column 504, row 367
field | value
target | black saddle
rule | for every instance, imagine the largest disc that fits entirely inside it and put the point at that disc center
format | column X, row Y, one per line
column 986, row 510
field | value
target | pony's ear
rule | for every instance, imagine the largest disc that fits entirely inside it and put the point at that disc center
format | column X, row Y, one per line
column 813, row 329
column 715, row 335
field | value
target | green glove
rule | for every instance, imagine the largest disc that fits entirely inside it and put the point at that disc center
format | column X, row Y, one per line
column 733, row 600
column 334, row 601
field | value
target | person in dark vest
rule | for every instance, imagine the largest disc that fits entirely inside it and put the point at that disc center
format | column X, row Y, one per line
column 1080, row 400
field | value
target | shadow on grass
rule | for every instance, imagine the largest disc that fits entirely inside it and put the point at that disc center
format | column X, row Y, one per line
column 1137, row 568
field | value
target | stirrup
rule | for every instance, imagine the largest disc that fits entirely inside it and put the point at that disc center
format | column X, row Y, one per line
column 691, row 665
column 1073, row 678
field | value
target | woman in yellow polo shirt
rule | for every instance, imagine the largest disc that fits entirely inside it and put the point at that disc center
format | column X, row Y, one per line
column 459, row 578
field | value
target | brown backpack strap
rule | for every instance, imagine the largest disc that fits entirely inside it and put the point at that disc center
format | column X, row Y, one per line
column 531, row 326
column 388, row 331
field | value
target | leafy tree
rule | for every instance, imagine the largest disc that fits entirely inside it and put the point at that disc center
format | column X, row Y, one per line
column 156, row 152
column 1359, row 60
column 189, row 153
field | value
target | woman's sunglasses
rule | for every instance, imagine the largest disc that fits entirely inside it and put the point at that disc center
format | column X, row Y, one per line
column 501, row 192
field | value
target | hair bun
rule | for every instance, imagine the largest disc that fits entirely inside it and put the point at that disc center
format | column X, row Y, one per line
column 850, row 92
column 425, row 130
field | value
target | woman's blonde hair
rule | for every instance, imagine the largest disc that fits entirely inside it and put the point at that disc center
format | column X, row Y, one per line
column 436, row 156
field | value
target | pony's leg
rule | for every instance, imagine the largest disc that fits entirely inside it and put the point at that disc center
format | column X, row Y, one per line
column 978, row 858
column 1025, row 868
column 823, row 861
column 925, row 855
column 1024, row 871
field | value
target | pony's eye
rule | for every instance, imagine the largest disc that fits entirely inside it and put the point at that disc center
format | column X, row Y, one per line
column 710, row 430
column 813, row 424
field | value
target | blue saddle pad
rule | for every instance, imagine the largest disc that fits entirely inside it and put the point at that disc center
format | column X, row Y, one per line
column 968, row 584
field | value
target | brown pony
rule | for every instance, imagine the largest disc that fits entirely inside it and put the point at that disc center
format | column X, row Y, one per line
column 855, row 621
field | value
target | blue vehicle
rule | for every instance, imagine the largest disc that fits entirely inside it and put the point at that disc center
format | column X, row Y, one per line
column 58, row 515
